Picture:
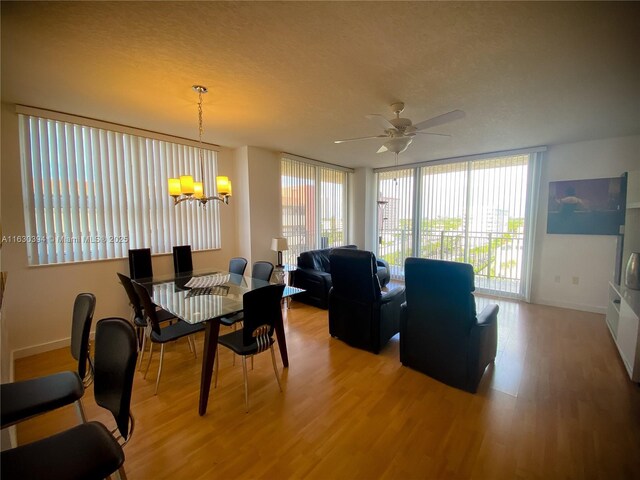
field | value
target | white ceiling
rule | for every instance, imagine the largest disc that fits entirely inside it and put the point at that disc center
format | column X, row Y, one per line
column 294, row 76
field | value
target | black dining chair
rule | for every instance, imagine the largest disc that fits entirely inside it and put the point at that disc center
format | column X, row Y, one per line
column 89, row 450
column 261, row 312
column 182, row 261
column 162, row 335
column 137, row 315
column 140, row 263
column 237, row 265
column 27, row 398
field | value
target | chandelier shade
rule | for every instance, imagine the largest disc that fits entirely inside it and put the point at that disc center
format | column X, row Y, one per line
column 184, row 188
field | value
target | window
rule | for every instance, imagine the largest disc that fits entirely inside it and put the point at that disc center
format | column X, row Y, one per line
column 477, row 211
column 314, row 206
column 92, row 193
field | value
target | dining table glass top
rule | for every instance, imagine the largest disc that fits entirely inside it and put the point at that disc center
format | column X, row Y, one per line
column 200, row 296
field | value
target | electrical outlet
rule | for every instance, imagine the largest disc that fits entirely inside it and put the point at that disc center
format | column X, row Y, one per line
column 575, row 280
column 556, row 279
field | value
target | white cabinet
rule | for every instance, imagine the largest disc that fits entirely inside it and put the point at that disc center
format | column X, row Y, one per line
column 623, row 320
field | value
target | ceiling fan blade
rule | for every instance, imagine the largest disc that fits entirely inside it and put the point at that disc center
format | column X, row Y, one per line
column 440, row 119
column 359, row 138
column 431, row 133
column 380, row 120
column 382, row 149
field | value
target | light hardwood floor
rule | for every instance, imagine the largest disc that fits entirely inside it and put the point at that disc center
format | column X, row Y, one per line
column 557, row 404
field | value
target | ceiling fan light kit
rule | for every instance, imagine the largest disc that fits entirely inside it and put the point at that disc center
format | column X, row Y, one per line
column 400, row 131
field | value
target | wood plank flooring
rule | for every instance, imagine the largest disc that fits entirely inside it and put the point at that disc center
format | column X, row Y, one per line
column 557, row 404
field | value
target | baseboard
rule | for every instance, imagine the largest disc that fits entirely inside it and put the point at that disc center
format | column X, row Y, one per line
column 43, row 347
column 572, row 306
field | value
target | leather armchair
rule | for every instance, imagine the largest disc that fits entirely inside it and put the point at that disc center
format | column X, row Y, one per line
column 360, row 314
column 440, row 334
column 314, row 276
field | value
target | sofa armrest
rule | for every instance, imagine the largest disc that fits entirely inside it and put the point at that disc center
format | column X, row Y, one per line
column 488, row 315
column 397, row 294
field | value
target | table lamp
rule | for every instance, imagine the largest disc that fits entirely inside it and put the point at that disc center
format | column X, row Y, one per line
column 279, row 244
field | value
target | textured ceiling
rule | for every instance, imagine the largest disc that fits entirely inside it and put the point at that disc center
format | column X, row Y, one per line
column 295, row 76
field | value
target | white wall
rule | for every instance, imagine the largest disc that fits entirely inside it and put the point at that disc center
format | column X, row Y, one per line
column 38, row 301
column 590, row 258
column 363, row 209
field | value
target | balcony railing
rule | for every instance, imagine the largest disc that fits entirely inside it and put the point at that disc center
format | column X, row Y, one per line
column 496, row 256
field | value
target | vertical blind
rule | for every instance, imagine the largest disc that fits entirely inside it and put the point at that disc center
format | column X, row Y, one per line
column 314, row 206
column 470, row 211
column 91, row 193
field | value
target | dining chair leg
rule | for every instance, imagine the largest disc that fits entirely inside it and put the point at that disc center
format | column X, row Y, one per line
column 80, row 411
column 275, row 367
column 144, row 344
column 120, row 474
column 246, row 383
column 217, row 362
column 149, row 362
column 192, row 342
column 159, row 368
column 189, row 343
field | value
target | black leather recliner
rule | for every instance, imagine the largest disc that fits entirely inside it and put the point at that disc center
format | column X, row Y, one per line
column 360, row 314
column 314, row 276
column 440, row 334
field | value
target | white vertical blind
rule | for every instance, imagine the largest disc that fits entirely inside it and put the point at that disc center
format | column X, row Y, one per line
column 314, row 206
column 91, row 193
column 474, row 211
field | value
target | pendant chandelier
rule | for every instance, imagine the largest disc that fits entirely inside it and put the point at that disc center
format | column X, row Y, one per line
column 184, row 188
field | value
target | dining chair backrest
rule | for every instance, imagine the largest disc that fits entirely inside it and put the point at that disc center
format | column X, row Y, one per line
column 237, row 265
column 134, row 301
column 83, row 309
column 140, row 263
column 261, row 306
column 147, row 306
column 115, row 364
column 182, row 261
column 262, row 270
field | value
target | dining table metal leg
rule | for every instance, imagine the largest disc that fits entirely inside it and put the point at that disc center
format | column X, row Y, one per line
column 212, row 329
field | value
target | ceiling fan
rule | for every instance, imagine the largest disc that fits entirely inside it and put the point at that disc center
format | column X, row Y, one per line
column 399, row 131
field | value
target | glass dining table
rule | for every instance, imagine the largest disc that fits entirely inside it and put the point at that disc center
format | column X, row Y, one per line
column 206, row 297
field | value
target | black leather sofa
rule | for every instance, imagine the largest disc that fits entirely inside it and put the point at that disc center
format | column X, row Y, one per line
column 440, row 333
column 314, row 276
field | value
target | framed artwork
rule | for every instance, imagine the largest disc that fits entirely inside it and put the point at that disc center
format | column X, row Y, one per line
column 587, row 207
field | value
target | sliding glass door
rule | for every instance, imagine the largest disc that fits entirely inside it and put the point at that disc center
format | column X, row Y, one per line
column 474, row 211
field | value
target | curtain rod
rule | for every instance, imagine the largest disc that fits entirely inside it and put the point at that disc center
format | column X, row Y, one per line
column 117, row 127
column 465, row 158
column 316, row 162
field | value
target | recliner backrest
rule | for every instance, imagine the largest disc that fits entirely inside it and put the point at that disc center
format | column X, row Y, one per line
column 441, row 293
column 83, row 309
column 115, row 364
column 353, row 274
column 261, row 306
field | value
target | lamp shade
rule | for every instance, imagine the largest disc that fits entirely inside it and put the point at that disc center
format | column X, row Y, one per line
column 279, row 244
column 174, row 187
column 198, row 190
column 186, row 184
column 223, row 185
